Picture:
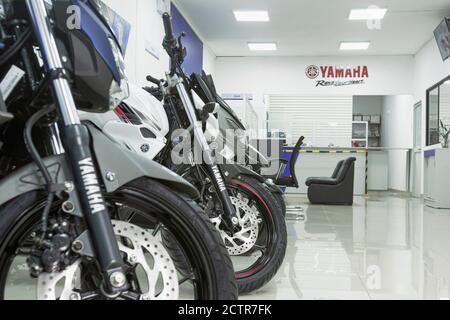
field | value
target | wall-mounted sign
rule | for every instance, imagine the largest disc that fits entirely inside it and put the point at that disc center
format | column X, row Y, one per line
column 237, row 96
column 332, row 76
column 152, row 49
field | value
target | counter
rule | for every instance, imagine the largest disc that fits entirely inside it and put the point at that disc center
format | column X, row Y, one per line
column 371, row 167
column 436, row 178
column 320, row 162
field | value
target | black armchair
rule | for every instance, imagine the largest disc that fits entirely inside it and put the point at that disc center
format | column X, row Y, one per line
column 334, row 190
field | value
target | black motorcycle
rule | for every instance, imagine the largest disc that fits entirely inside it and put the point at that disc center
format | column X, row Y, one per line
column 242, row 209
column 243, row 153
column 78, row 212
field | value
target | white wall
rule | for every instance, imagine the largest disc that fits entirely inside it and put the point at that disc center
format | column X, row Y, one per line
column 367, row 105
column 209, row 60
column 147, row 30
column 146, row 27
column 209, row 57
column 389, row 75
column 429, row 69
column 397, row 132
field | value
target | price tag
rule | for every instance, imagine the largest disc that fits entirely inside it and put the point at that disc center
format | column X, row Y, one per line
column 12, row 78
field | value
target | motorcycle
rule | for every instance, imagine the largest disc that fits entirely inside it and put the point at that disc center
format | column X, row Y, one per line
column 251, row 157
column 81, row 217
column 240, row 207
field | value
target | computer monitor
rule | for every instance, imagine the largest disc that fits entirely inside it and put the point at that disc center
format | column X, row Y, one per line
column 442, row 35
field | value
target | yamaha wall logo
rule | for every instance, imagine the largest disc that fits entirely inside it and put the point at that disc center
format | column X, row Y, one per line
column 312, row 72
column 332, row 76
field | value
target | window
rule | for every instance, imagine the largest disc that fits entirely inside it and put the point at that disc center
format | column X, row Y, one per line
column 438, row 109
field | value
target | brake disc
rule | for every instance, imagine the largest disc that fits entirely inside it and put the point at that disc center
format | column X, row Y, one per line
column 142, row 251
column 245, row 238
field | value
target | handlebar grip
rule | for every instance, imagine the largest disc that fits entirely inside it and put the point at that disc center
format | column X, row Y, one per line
column 167, row 26
column 153, row 80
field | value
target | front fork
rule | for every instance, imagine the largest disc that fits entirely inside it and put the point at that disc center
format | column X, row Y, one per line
column 76, row 142
column 230, row 218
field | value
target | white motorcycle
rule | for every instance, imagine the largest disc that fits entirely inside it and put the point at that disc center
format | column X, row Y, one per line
column 244, row 212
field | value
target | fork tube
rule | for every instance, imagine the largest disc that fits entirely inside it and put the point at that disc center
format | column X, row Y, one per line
column 230, row 216
column 76, row 142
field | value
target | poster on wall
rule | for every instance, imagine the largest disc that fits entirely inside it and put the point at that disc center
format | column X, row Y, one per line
column 194, row 46
column 337, row 76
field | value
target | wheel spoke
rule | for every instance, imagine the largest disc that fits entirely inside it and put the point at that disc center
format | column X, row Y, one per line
column 91, row 295
column 252, row 204
column 132, row 215
column 157, row 229
column 134, row 278
column 187, row 278
column 130, row 296
column 23, row 252
column 260, row 248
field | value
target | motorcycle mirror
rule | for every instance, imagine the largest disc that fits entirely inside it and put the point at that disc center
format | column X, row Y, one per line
column 208, row 109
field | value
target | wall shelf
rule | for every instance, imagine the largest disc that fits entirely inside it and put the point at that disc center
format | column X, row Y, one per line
column 360, row 134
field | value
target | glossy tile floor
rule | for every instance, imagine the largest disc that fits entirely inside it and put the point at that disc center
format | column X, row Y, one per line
column 387, row 246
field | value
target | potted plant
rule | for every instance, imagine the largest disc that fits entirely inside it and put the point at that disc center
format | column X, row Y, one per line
column 445, row 133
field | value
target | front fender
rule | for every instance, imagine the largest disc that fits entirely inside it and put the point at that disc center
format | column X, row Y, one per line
column 231, row 171
column 29, row 178
column 113, row 161
column 126, row 166
column 272, row 187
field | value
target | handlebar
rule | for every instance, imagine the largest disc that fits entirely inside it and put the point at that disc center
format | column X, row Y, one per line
column 173, row 46
column 169, row 38
column 153, row 80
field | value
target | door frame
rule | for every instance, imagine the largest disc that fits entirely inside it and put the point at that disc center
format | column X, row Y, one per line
column 417, row 150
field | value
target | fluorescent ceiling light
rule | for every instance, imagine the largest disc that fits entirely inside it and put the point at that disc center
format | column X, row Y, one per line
column 268, row 46
column 355, row 45
column 367, row 14
column 252, row 16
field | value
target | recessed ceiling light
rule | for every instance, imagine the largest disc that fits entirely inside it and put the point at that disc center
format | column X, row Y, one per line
column 252, row 16
column 355, row 45
column 267, row 46
column 367, row 14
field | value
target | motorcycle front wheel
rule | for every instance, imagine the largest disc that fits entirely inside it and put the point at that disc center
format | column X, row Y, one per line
column 258, row 248
column 140, row 212
column 256, row 261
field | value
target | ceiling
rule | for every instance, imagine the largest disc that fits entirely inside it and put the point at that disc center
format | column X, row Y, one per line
column 314, row 27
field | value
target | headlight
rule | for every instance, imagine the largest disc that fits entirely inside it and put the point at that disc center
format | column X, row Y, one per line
column 118, row 91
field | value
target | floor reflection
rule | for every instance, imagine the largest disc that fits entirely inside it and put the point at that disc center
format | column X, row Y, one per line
column 386, row 246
